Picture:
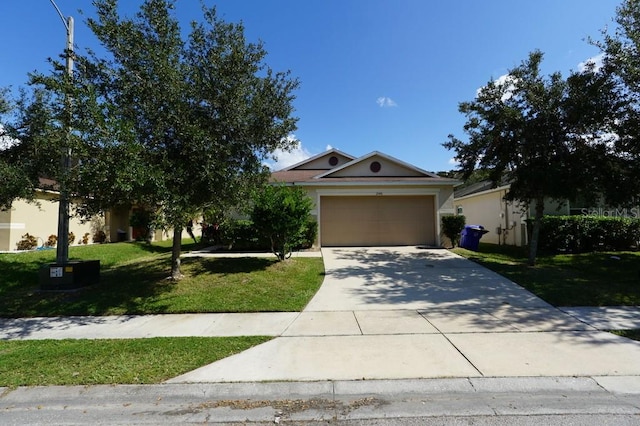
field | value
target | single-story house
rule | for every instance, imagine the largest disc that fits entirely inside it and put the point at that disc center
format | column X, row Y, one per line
column 40, row 219
column 373, row 200
column 484, row 203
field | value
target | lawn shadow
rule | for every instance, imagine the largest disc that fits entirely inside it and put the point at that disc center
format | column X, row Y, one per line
column 196, row 266
column 24, row 328
column 398, row 277
column 124, row 289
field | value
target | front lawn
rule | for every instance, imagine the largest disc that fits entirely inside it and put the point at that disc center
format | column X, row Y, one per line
column 133, row 281
column 588, row 279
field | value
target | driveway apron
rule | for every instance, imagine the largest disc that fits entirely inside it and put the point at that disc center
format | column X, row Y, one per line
column 409, row 312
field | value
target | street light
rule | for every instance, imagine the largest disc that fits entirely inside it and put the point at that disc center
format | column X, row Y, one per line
column 62, row 250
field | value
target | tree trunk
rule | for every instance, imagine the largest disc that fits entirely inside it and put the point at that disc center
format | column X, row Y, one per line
column 535, row 233
column 175, row 253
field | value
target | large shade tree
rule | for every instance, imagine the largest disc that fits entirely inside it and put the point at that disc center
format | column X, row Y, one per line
column 549, row 136
column 193, row 119
column 15, row 181
column 622, row 60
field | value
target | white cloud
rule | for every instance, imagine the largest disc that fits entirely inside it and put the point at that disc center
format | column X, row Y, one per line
column 595, row 62
column 281, row 158
column 6, row 142
column 329, row 147
column 384, row 102
column 454, row 162
column 504, row 80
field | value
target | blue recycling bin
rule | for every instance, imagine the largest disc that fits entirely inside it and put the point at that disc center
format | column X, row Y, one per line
column 470, row 236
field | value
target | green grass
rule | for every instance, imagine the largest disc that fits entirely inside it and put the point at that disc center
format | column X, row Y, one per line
column 630, row 334
column 92, row 362
column 588, row 279
column 133, row 281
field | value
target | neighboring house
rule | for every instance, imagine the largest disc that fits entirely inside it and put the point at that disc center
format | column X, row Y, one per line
column 483, row 204
column 40, row 219
column 374, row 200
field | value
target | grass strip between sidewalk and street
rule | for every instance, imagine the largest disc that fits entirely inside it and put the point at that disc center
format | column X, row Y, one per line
column 111, row 361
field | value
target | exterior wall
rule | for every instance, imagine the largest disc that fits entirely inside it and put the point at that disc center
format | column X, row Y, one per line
column 5, row 230
column 387, row 168
column 40, row 221
column 118, row 220
column 504, row 220
column 322, row 163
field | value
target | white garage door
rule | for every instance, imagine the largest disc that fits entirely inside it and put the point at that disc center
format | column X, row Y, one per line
column 377, row 220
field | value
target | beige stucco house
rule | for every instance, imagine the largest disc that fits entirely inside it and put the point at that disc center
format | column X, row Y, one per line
column 373, row 200
column 40, row 219
column 482, row 204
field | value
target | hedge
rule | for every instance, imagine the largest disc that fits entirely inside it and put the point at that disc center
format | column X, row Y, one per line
column 578, row 234
column 241, row 234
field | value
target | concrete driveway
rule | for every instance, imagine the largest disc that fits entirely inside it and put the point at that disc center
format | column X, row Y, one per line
column 406, row 312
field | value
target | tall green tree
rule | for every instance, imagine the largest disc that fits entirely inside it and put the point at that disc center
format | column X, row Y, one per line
column 548, row 135
column 196, row 117
column 15, row 182
column 622, row 60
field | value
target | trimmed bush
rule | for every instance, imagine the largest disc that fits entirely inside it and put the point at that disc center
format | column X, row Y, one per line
column 452, row 226
column 309, row 234
column 28, row 242
column 577, row 234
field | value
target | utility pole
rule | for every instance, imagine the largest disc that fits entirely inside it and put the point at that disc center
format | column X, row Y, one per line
column 66, row 275
column 62, row 249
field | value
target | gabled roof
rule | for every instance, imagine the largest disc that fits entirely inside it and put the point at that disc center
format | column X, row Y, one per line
column 335, row 167
column 316, row 162
column 482, row 186
column 404, row 169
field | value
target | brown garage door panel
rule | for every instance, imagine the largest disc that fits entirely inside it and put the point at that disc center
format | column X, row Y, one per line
column 371, row 221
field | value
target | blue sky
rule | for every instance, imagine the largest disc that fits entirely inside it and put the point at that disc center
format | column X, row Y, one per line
column 383, row 75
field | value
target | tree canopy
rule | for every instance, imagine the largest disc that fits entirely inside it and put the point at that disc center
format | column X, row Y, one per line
column 169, row 120
column 622, row 60
column 549, row 136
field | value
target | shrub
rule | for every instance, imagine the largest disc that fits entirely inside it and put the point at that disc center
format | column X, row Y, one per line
column 99, row 237
column 28, row 242
column 72, row 237
column 51, row 241
column 241, row 234
column 281, row 214
column 578, row 234
column 85, row 238
column 452, row 226
column 309, row 234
